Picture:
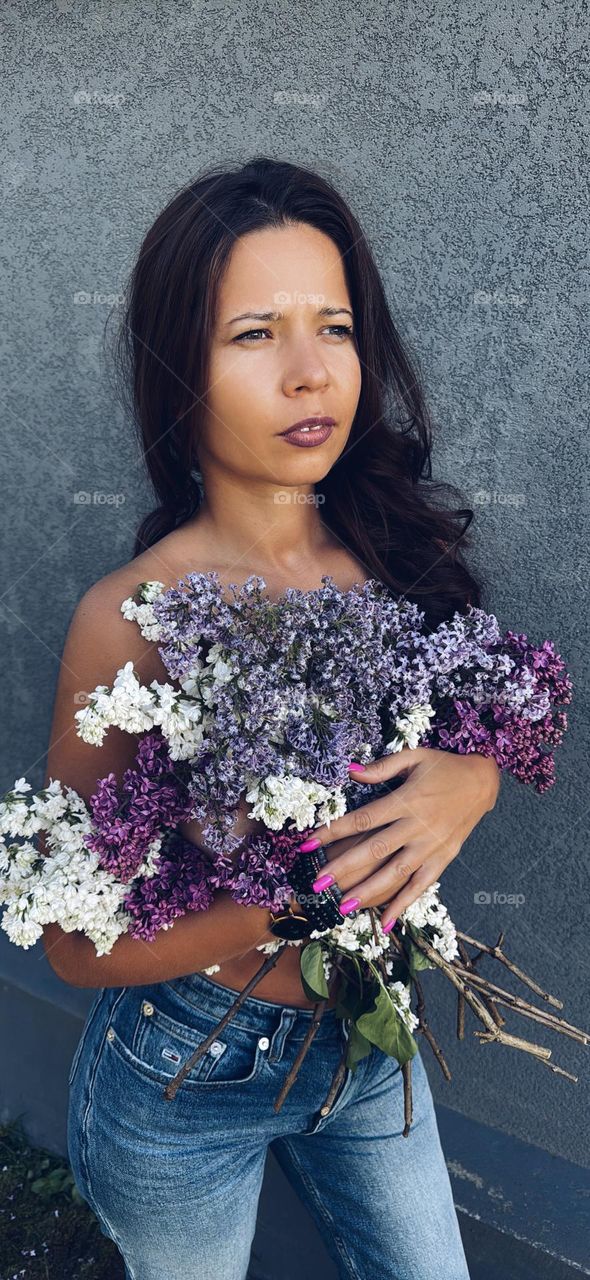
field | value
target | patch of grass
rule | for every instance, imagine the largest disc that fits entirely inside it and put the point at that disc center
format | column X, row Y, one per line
column 47, row 1231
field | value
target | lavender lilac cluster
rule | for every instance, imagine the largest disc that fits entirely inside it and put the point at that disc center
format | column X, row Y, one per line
column 315, row 662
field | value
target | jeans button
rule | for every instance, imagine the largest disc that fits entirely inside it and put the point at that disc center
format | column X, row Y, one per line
column 216, row 1047
column 147, row 1007
column 264, row 1042
column 110, row 1034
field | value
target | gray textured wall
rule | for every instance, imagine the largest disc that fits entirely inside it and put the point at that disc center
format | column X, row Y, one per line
column 456, row 132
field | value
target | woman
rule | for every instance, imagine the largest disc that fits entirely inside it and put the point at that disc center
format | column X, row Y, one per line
column 255, row 304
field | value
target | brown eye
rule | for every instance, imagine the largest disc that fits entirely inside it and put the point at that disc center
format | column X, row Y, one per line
column 248, row 334
column 342, row 329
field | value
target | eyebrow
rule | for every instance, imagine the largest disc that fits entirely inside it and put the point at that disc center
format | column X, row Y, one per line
column 279, row 315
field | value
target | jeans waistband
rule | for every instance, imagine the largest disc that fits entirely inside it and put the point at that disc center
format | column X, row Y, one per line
column 254, row 1014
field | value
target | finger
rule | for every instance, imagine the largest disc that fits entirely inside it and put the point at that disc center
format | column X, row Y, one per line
column 357, row 821
column 415, row 887
column 376, row 889
column 358, row 862
column 388, row 766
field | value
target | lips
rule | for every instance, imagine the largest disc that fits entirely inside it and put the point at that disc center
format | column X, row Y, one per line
column 308, row 437
column 307, row 425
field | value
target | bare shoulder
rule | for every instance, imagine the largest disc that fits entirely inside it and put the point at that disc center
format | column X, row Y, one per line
column 98, row 623
column 99, row 641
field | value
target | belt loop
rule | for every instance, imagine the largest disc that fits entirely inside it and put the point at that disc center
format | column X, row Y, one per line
column 286, row 1021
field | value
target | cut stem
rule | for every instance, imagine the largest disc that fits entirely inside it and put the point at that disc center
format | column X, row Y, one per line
column 407, row 1076
column 500, row 996
column 172, row 1088
column 312, row 1030
column 519, row 973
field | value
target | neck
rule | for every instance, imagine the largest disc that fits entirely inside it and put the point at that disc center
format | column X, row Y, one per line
column 277, row 527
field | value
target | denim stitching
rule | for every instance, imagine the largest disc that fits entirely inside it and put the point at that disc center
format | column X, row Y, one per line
column 97, row 1001
column 84, row 1136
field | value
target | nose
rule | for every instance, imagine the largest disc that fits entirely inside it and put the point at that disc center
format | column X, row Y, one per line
column 306, row 370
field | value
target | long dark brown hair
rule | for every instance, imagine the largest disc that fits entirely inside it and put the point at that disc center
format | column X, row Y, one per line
column 379, row 498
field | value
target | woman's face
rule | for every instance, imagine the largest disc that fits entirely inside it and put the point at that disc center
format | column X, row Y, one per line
column 266, row 374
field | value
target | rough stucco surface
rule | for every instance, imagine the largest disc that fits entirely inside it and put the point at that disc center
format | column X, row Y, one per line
column 456, row 133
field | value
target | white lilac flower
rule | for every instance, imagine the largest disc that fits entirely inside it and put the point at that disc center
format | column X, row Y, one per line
column 223, row 668
column 180, row 719
column 191, row 683
column 401, row 998
column 429, row 910
column 149, row 866
column 73, row 891
column 129, row 706
column 333, row 806
column 277, row 800
column 134, row 708
column 356, row 934
column 143, row 613
column 410, row 728
column 269, row 948
column 69, row 886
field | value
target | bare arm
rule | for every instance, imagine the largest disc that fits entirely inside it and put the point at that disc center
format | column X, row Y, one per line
column 194, row 941
column 98, row 643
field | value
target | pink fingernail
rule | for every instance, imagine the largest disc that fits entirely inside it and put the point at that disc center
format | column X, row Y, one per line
column 353, row 765
column 350, row 905
column 322, row 882
column 388, row 926
column 312, row 843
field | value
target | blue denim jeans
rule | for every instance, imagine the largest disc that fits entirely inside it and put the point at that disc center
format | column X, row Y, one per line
column 176, row 1183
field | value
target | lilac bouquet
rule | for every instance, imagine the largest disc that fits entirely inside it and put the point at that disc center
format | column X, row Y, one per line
column 266, row 703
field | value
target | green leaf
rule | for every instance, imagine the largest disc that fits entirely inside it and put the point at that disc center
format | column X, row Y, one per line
column 358, row 1048
column 312, row 971
column 309, row 992
column 416, row 958
column 382, row 1025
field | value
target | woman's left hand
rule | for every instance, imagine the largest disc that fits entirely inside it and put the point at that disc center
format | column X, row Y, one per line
column 419, row 827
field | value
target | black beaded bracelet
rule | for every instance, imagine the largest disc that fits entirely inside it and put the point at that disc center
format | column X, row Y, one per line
column 321, row 908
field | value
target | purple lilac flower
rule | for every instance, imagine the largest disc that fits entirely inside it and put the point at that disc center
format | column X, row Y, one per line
column 128, row 818
column 181, row 884
column 259, row 876
column 507, row 710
